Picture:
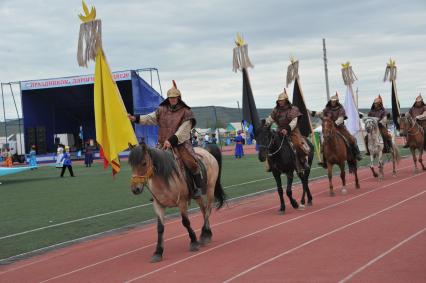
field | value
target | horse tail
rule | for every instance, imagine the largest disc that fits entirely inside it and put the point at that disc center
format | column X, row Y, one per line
column 219, row 193
column 396, row 154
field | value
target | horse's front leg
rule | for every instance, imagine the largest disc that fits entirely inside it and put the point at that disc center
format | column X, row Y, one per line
column 277, row 177
column 305, row 183
column 381, row 165
column 413, row 153
column 289, row 192
column 343, row 177
column 194, row 245
column 158, row 254
column 372, row 164
column 330, row 176
column 421, row 159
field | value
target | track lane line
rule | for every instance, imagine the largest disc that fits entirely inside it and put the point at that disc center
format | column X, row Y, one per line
column 271, row 227
column 379, row 257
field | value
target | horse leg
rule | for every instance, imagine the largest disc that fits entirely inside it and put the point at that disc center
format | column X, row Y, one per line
column 330, row 175
column 372, row 165
column 343, row 177
column 393, row 152
column 206, row 232
column 381, row 165
column 277, row 176
column 158, row 254
column 413, row 153
column 289, row 192
column 194, row 245
column 421, row 159
column 305, row 184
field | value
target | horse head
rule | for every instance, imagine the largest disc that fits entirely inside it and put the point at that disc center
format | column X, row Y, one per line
column 328, row 127
column 371, row 124
column 263, row 138
column 405, row 123
column 142, row 167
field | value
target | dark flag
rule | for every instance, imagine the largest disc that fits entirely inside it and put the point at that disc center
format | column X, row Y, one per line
column 250, row 114
column 303, row 122
column 396, row 110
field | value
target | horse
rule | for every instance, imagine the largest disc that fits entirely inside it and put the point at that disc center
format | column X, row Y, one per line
column 281, row 157
column 415, row 137
column 376, row 145
column 168, row 181
column 336, row 150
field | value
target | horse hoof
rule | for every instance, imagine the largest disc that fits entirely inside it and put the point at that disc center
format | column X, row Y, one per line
column 156, row 258
column 357, row 186
column 301, row 207
column 205, row 241
column 194, row 247
column 344, row 191
column 332, row 194
column 310, row 203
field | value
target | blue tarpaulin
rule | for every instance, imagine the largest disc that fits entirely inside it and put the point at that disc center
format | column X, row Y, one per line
column 58, row 106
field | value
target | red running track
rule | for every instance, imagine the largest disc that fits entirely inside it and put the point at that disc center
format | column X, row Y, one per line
column 375, row 234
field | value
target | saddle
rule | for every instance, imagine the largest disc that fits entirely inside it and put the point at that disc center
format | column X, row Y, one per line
column 190, row 180
column 349, row 148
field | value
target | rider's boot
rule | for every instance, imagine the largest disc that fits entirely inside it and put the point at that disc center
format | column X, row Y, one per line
column 356, row 152
column 196, row 192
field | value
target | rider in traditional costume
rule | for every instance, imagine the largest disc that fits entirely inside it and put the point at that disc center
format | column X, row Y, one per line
column 175, row 120
column 418, row 111
column 335, row 111
column 285, row 115
column 379, row 112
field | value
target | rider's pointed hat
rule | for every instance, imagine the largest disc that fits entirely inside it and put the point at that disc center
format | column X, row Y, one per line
column 282, row 96
column 378, row 99
column 174, row 91
column 335, row 97
column 419, row 98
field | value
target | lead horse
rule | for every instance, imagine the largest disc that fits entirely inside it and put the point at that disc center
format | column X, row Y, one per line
column 168, row 182
column 281, row 158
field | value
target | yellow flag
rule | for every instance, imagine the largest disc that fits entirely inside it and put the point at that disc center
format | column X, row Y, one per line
column 114, row 131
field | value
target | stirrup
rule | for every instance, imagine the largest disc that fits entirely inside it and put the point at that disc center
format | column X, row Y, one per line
column 196, row 193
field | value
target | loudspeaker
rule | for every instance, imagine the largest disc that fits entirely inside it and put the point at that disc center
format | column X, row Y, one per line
column 41, row 140
column 31, row 137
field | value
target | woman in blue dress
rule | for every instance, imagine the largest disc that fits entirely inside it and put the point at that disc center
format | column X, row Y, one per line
column 239, row 140
column 32, row 160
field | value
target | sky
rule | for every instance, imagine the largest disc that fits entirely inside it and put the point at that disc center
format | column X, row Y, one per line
column 191, row 41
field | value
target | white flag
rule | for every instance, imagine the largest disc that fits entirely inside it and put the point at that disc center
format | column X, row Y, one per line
column 352, row 123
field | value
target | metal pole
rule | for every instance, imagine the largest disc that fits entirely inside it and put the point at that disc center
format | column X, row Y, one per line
column 19, row 119
column 4, row 112
column 326, row 69
column 158, row 76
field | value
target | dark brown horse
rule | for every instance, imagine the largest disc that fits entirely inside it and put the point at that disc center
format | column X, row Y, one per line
column 415, row 138
column 166, row 179
column 336, row 152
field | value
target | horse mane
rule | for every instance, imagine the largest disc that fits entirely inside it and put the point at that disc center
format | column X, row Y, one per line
column 163, row 161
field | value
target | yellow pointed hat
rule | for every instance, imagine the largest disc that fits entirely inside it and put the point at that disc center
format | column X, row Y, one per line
column 335, row 97
column 283, row 95
column 174, row 91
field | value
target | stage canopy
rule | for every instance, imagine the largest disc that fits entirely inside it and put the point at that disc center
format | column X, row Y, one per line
column 65, row 106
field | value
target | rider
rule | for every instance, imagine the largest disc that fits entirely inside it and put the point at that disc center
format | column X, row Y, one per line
column 175, row 120
column 335, row 111
column 285, row 115
column 418, row 111
column 378, row 111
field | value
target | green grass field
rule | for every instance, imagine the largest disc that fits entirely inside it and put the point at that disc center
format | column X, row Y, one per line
column 33, row 200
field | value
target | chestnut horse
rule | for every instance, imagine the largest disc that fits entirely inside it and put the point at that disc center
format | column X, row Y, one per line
column 337, row 152
column 415, row 137
column 168, row 182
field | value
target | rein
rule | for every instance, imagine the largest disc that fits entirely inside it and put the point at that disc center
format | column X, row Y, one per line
column 269, row 146
column 418, row 128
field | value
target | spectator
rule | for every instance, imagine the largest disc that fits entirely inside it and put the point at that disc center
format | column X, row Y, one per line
column 66, row 159
column 239, row 141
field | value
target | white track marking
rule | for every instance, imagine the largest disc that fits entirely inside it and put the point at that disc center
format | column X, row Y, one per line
column 371, row 262
column 175, row 237
column 114, row 211
column 323, row 236
column 151, row 228
column 272, row 226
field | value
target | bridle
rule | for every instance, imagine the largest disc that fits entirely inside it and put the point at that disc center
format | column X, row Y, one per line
column 143, row 179
column 268, row 147
column 415, row 124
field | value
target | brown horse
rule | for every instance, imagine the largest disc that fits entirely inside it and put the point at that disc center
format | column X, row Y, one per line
column 336, row 152
column 415, row 137
column 168, row 182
